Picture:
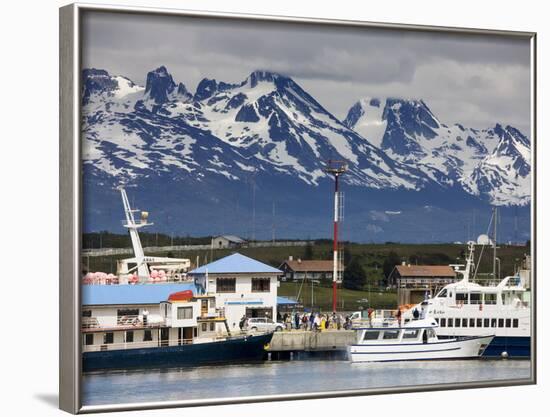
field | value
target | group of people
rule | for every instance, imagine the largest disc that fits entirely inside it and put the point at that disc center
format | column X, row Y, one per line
column 314, row 321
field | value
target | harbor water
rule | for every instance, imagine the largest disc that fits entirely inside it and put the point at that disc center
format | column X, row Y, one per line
column 286, row 377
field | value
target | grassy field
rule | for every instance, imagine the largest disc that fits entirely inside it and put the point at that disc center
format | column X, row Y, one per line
column 371, row 256
column 348, row 300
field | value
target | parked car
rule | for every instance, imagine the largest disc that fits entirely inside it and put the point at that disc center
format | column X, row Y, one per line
column 263, row 324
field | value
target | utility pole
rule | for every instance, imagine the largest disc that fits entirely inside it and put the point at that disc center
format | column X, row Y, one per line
column 336, row 168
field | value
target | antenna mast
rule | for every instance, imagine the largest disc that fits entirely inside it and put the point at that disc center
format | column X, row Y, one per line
column 133, row 226
column 336, row 168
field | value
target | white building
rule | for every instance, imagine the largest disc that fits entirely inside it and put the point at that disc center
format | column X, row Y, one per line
column 227, row 241
column 241, row 286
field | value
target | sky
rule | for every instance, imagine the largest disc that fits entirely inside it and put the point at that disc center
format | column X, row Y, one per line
column 474, row 80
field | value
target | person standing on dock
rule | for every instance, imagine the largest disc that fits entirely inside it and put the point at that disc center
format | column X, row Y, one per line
column 297, row 320
column 311, row 320
column 399, row 316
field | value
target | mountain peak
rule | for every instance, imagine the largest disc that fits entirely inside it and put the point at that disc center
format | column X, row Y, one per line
column 206, row 89
column 159, row 85
column 96, row 81
column 266, row 76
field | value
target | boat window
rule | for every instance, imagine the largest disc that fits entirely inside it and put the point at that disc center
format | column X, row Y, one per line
column 490, row 298
column 493, row 322
column 464, row 322
column 212, row 326
column 437, row 320
column 86, row 313
column 371, row 335
column 431, row 333
column 108, row 338
column 472, row 322
column 410, row 333
column 185, row 313
column 450, row 323
column 443, row 322
column 500, row 322
column 457, row 322
column 147, row 336
column 89, row 339
column 515, row 323
column 129, row 336
column 462, row 298
column 485, row 322
column 442, row 293
column 475, row 298
column 479, row 323
column 391, row 334
column 508, row 322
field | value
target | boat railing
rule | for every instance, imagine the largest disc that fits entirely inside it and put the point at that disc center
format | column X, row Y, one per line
column 134, row 345
column 129, row 321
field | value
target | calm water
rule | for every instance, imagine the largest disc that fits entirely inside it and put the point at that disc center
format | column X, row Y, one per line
column 285, row 377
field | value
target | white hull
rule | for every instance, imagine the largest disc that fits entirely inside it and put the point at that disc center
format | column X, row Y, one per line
column 442, row 349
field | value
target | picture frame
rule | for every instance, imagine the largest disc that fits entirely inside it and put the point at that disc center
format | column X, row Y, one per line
column 71, row 204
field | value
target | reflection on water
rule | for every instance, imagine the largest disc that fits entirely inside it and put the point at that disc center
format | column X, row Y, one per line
column 286, row 377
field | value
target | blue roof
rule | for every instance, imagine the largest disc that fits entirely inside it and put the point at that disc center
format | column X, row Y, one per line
column 287, row 301
column 235, row 264
column 130, row 294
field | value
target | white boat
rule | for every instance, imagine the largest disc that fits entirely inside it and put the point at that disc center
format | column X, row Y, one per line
column 416, row 340
column 466, row 308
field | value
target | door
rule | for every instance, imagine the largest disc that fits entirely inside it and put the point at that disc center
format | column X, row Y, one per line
column 204, row 308
column 164, row 336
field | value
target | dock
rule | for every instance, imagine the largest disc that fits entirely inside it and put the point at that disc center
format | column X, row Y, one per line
column 310, row 341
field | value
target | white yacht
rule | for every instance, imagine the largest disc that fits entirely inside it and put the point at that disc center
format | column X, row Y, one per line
column 466, row 308
column 416, row 340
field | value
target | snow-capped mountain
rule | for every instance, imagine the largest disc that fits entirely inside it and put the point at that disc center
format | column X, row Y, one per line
column 186, row 149
column 408, row 132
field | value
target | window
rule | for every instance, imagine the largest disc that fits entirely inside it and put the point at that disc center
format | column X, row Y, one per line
column 129, row 336
column 437, row 320
column 371, row 335
column 410, row 334
column 212, row 326
column 449, row 322
column 515, row 323
column 147, row 336
column 500, row 322
column 461, row 298
column 493, row 322
column 203, row 327
column 126, row 315
column 108, row 338
column 475, row 298
column 508, row 322
column 479, row 323
column 261, row 284
column 464, row 322
column 485, row 322
column 89, row 339
column 86, row 313
column 490, row 298
column 226, row 284
column 442, row 293
column 391, row 334
column 185, row 313
column 457, row 322
column 472, row 322
column 443, row 322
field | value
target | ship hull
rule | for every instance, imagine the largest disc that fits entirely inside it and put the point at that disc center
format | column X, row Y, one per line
column 464, row 348
column 245, row 349
column 513, row 347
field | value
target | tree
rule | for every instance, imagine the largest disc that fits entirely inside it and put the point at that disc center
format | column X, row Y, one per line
column 390, row 262
column 355, row 276
column 308, row 252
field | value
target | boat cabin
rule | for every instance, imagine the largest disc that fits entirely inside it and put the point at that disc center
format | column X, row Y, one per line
column 420, row 331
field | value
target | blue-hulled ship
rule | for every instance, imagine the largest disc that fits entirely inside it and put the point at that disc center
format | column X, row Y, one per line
column 501, row 307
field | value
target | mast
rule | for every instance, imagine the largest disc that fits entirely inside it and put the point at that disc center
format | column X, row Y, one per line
column 495, row 215
column 336, row 168
column 133, row 226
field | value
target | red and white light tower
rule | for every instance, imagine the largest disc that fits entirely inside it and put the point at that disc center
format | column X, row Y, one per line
column 336, row 168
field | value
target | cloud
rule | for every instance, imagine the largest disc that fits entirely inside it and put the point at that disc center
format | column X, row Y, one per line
column 472, row 79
